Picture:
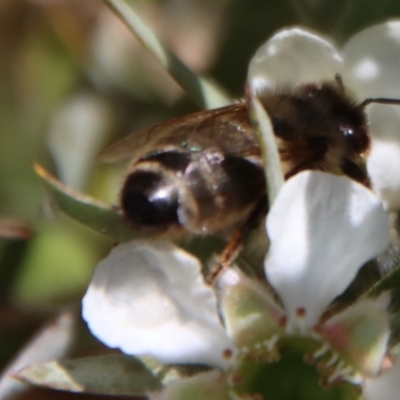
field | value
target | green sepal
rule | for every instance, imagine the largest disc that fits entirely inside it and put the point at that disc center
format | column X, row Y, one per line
column 210, row 385
column 360, row 334
column 252, row 318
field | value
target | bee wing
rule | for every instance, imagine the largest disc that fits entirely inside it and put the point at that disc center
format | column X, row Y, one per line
column 127, row 147
column 175, row 131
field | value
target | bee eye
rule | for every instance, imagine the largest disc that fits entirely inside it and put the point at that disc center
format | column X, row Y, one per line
column 149, row 200
column 282, row 129
column 357, row 138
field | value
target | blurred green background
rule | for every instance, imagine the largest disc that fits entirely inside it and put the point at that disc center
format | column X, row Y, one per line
column 72, row 79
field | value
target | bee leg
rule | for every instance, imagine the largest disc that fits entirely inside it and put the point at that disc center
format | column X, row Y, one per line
column 236, row 243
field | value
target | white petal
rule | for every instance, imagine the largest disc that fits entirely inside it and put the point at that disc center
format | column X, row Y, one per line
column 372, row 61
column 384, row 160
column 293, row 56
column 385, row 387
column 322, row 229
column 149, row 297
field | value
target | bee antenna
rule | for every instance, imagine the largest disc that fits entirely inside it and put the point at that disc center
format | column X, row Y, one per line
column 379, row 100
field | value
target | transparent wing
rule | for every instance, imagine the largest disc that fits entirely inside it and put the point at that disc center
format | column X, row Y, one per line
column 209, row 125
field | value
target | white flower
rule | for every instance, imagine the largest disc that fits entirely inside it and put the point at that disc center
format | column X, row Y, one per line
column 149, row 297
column 369, row 65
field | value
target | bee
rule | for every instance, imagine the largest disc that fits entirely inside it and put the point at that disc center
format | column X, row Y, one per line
column 203, row 172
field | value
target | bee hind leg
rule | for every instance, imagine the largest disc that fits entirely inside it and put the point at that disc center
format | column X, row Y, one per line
column 237, row 241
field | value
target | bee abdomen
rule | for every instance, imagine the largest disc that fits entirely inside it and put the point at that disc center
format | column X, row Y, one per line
column 149, row 200
column 149, row 197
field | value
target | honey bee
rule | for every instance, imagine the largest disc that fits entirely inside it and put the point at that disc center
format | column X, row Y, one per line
column 203, row 172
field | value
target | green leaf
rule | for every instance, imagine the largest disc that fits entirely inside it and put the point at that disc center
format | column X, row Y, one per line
column 53, row 341
column 269, row 149
column 110, row 375
column 98, row 216
column 201, row 89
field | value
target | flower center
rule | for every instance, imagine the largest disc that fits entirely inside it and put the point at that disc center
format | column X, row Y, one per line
column 294, row 375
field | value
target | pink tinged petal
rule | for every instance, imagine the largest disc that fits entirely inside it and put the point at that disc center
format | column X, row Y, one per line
column 149, row 297
column 208, row 385
column 372, row 61
column 251, row 316
column 360, row 334
column 322, row 228
column 384, row 387
column 293, row 56
column 384, row 160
